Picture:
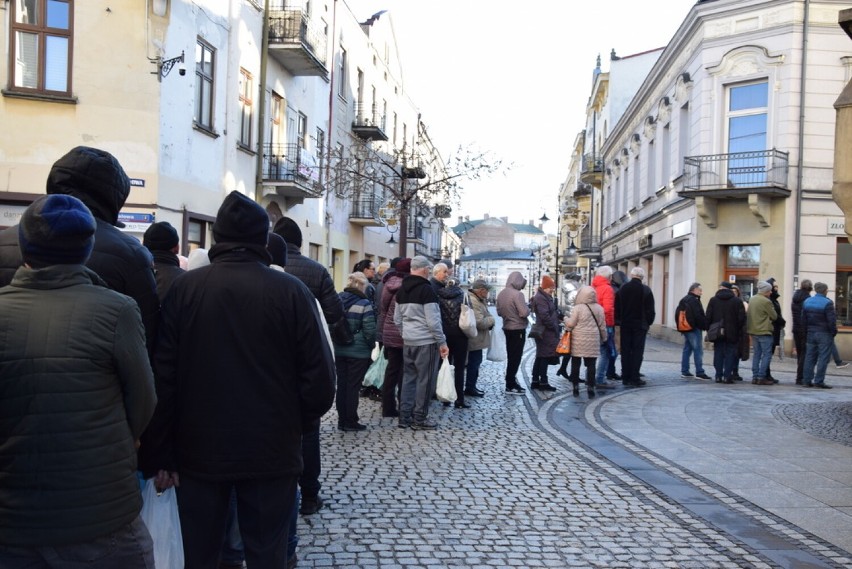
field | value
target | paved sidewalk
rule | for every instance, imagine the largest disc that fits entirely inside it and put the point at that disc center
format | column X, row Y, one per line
column 681, row 473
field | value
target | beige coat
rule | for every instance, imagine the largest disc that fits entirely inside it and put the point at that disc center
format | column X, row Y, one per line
column 484, row 323
column 586, row 334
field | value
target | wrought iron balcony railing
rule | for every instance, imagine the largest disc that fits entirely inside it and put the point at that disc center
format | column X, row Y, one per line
column 365, row 207
column 369, row 123
column 292, row 168
column 289, row 28
column 762, row 171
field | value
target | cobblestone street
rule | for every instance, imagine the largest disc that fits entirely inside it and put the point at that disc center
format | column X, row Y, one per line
column 551, row 482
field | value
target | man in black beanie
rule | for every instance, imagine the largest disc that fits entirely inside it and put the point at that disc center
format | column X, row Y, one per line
column 96, row 178
column 319, row 282
column 161, row 239
column 77, row 393
column 243, row 362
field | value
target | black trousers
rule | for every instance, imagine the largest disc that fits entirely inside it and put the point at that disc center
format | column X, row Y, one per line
column 458, row 358
column 632, row 353
column 800, row 338
column 393, row 381
column 263, row 512
column 350, row 378
column 515, row 340
column 591, row 368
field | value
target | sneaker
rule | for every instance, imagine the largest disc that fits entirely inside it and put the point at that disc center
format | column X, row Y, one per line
column 426, row 425
column 841, row 365
column 822, row 385
column 515, row 390
column 310, row 507
column 702, row 375
column 686, row 375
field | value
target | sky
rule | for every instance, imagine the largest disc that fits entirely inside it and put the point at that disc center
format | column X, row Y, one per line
column 513, row 79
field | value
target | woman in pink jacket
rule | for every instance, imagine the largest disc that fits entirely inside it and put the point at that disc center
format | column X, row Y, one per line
column 587, row 325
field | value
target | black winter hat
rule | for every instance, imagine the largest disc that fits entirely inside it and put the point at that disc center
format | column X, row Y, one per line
column 56, row 230
column 289, row 230
column 277, row 249
column 93, row 176
column 161, row 236
column 241, row 220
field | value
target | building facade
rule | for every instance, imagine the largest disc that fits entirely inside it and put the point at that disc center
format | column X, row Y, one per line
column 720, row 167
column 296, row 103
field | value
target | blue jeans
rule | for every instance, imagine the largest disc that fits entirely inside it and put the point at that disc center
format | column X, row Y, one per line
column 762, row 355
column 725, row 356
column 692, row 345
column 129, row 546
column 474, row 360
column 608, row 355
column 817, row 353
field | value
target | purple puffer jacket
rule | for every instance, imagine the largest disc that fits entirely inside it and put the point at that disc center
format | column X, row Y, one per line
column 391, row 335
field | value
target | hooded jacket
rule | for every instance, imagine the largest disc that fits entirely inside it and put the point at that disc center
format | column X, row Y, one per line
column 77, row 392
column 799, row 297
column 391, row 336
column 691, row 305
column 166, row 270
column 587, row 324
column 484, row 323
column 242, row 367
column 727, row 308
column 96, row 179
column 606, row 297
column 417, row 313
column 634, row 305
column 546, row 313
column 511, row 306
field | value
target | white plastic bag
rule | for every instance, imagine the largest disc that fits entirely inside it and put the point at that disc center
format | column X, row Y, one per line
column 160, row 514
column 446, row 390
column 497, row 349
column 375, row 375
column 467, row 320
column 377, row 351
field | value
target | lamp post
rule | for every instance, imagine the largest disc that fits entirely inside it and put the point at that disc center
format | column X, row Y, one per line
column 574, row 221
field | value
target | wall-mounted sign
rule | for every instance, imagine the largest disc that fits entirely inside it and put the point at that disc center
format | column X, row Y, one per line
column 135, row 222
column 681, row 229
column 137, row 183
column 836, row 226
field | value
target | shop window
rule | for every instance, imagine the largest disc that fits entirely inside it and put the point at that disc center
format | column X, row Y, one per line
column 843, row 282
column 742, row 263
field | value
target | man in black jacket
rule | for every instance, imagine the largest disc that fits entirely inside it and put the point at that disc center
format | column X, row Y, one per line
column 728, row 310
column 243, row 367
column 96, row 178
column 634, row 312
column 161, row 239
column 319, row 282
column 693, row 342
column 800, row 333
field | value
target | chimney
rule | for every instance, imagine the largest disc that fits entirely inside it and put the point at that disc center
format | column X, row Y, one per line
column 461, row 220
column 486, row 216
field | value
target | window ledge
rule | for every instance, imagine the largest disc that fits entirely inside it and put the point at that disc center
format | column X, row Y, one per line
column 246, row 149
column 35, row 96
column 205, row 130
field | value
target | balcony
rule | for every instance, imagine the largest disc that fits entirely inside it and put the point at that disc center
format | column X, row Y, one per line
column 291, row 171
column 296, row 44
column 591, row 171
column 368, row 123
column 589, row 246
column 736, row 175
column 365, row 209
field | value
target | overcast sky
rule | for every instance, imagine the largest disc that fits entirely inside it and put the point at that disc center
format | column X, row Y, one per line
column 513, row 78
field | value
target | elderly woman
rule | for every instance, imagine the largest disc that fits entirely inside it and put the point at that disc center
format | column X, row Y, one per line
column 547, row 315
column 352, row 360
column 587, row 325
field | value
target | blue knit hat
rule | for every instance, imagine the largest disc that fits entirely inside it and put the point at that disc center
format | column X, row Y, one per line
column 56, row 229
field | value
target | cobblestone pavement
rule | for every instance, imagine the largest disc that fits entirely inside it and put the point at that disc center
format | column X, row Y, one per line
column 508, row 483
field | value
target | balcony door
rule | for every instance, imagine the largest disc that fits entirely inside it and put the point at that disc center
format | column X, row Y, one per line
column 747, row 121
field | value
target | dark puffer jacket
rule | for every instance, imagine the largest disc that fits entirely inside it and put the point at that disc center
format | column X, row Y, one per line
column 166, row 270
column 318, row 281
column 450, row 299
column 76, row 391
column 242, row 366
column 546, row 312
column 391, row 336
column 799, row 298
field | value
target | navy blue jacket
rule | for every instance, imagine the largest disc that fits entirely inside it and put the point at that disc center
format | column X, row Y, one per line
column 818, row 315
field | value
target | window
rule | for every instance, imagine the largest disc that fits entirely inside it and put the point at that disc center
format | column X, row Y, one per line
column 205, row 59
column 302, row 132
column 341, row 74
column 41, row 48
column 747, row 123
column 246, row 88
column 652, row 169
column 843, row 280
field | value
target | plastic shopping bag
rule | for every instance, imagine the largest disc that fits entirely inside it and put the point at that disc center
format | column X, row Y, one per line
column 467, row 320
column 375, row 375
column 446, row 390
column 497, row 348
column 160, row 514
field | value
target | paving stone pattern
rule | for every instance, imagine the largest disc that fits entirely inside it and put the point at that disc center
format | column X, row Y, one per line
column 832, row 421
column 494, row 487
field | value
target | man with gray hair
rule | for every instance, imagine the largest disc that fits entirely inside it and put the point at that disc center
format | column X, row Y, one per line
column 696, row 321
column 418, row 317
column 820, row 320
column 634, row 312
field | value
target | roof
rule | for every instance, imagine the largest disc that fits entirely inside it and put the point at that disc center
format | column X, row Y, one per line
column 513, row 255
column 466, row 226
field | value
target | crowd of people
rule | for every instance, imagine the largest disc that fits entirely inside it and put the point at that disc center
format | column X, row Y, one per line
column 119, row 367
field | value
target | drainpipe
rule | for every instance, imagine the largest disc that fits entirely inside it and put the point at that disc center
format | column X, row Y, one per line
column 327, row 217
column 801, row 159
column 261, row 107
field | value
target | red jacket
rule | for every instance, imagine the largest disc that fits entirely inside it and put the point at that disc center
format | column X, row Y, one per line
column 606, row 297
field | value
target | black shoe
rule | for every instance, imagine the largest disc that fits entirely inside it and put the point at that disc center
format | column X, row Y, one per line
column 543, row 386
column 718, row 380
column 474, row 393
column 808, row 384
column 535, row 384
column 562, row 372
column 462, row 405
column 822, row 386
column 576, row 391
column 311, row 506
column 737, row 378
column 446, row 403
column 354, row 428
column 702, row 376
column 391, row 414
column 613, row 376
column 515, row 390
column 590, row 393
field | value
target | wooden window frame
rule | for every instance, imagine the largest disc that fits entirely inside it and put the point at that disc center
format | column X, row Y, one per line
column 246, row 110
column 202, row 79
column 42, row 31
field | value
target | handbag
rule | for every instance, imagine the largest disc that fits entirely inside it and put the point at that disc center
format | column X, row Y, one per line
column 375, row 375
column 537, row 331
column 467, row 320
column 716, row 331
column 160, row 514
column 341, row 334
column 564, row 345
column 446, row 389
